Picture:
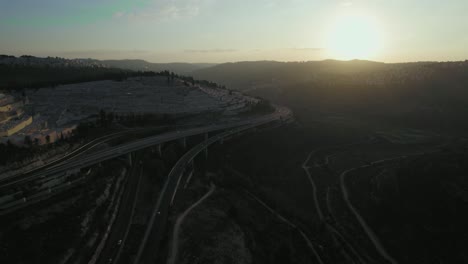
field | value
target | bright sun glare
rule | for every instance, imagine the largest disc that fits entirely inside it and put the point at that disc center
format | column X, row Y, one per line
column 354, row 37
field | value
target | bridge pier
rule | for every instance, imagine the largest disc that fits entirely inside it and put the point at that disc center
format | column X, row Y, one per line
column 206, row 152
column 184, row 142
column 160, row 150
column 129, row 157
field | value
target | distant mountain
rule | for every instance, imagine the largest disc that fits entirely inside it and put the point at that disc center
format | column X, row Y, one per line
column 420, row 92
column 134, row 65
column 34, row 72
column 31, row 61
column 142, row 65
column 245, row 75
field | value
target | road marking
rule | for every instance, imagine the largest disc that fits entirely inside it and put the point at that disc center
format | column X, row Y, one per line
column 188, row 180
column 176, row 188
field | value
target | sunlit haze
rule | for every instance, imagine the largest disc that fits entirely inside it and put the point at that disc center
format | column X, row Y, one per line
column 222, row 31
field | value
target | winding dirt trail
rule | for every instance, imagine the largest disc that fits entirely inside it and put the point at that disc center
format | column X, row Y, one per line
column 367, row 229
column 314, row 187
column 175, row 234
column 289, row 223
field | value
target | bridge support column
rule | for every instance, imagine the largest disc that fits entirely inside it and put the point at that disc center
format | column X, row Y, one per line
column 206, row 152
column 184, row 143
column 160, row 150
column 129, row 156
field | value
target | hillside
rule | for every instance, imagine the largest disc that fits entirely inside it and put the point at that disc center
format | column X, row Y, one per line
column 423, row 93
column 34, row 72
column 142, row 65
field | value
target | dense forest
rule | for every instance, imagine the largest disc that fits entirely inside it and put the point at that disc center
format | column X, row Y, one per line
column 19, row 77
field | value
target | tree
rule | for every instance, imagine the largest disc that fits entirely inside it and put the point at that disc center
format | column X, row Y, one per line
column 82, row 130
column 102, row 117
column 27, row 141
column 110, row 117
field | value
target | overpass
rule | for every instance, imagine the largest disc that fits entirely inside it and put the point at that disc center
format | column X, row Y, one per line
column 121, row 150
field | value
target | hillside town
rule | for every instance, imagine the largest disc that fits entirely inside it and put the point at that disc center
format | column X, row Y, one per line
column 20, row 127
column 27, row 60
column 46, row 115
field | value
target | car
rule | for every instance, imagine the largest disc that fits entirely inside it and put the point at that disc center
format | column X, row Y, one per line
column 120, row 242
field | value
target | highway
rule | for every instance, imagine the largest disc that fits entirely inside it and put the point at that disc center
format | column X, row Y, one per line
column 124, row 220
column 103, row 155
column 155, row 229
column 79, row 151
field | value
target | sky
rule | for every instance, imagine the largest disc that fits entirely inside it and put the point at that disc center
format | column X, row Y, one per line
column 219, row 31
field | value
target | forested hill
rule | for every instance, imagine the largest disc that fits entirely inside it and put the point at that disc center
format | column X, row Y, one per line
column 142, row 65
column 423, row 92
column 34, row 72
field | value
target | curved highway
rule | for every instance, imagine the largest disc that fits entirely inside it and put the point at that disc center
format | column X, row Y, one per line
column 148, row 247
column 114, row 152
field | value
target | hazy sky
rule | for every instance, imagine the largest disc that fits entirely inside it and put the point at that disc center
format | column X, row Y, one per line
column 235, row 30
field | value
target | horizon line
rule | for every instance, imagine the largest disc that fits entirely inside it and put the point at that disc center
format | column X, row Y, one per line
column 241, row 61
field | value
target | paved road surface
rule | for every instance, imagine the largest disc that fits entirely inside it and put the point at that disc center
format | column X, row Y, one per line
column 120, row 228
column 156, row 226
column 100, row 156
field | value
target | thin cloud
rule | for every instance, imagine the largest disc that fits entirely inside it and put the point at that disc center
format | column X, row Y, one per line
column 164, row 10
column 210, row 50
column 346, row 3
column 308, row 49
column 101, row 53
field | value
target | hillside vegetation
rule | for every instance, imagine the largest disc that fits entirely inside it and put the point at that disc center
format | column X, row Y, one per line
column 417, row 94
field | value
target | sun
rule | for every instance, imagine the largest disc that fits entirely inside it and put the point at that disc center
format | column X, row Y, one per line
column 354, row 37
